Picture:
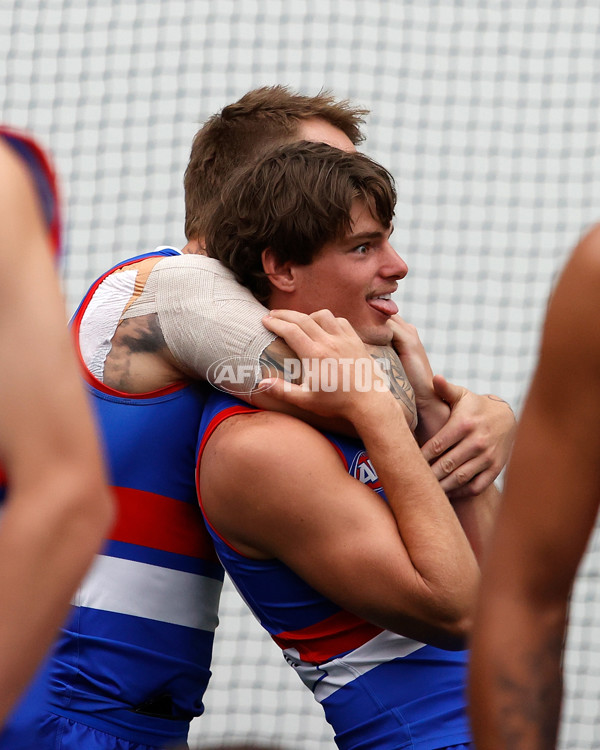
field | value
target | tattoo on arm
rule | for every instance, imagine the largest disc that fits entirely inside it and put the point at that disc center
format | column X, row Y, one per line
column 142, row 334
column 134, row 336
column 530, row 697
column 398, row 382
column 499, row 400
column 276, row 361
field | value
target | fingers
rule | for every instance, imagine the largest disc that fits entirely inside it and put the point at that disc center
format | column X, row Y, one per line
column 476, row 486
column 448, row 392
column 462, row 474
column 405, row 336
column 294, row 327
column 320, row 334
column 282, row 390
column 451, row 434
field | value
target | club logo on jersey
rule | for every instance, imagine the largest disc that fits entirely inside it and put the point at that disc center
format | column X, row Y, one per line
column 362, row 469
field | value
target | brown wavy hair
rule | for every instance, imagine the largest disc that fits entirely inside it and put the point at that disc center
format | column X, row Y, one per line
column 261, row 119
column 293, row 200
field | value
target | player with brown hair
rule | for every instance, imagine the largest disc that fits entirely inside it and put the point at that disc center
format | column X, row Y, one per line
column 136, row 661
column 347, row 551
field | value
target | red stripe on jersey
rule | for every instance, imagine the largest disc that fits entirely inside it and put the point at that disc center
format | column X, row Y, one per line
column 161, row 522
column 327, row 639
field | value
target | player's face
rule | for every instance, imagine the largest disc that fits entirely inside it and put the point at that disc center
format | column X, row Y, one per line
column 355, row 277
column 318, row 130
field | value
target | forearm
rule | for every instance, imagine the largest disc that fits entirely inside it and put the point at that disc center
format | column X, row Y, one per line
column 477, row 516
column 516, row 677
column 427, row 523
column 47, row 541
column 279, row 360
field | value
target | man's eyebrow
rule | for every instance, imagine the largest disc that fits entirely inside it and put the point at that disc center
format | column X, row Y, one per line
column 364, row 236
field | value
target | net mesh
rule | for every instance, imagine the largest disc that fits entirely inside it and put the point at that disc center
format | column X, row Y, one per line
column 485, row 112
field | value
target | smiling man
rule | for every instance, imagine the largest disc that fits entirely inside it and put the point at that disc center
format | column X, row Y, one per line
column 131, row 665
column 366, row 580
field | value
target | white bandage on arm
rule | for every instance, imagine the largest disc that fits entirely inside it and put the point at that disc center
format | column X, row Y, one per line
column 205, row 316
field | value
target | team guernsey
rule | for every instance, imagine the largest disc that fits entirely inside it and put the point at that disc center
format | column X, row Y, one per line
column 379, row 690
column 133, row 660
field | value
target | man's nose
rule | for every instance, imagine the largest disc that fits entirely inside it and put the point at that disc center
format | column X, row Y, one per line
column 394, row 266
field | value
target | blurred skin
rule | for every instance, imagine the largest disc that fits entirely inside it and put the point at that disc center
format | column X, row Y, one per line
column 551, row 501
column 57, row 510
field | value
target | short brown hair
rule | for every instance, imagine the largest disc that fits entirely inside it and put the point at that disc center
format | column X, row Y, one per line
column 261, row 119
column 293, row 200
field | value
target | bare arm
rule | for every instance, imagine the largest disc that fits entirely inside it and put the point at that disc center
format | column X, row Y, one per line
column 58, row 508
column 212, row 319
column 466, row 437
column 279, row 360
column 406, row 566
column 552, row 494
column 453, row 424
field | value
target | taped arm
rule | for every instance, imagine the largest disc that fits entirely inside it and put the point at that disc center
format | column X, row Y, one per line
column 212, row 326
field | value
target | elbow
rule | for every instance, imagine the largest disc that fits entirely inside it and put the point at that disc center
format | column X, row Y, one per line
column 443, row 627
column 449, row 620
column 450, row 635
column 458, row 633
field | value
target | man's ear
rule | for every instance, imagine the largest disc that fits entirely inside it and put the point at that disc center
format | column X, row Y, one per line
column 281, row 275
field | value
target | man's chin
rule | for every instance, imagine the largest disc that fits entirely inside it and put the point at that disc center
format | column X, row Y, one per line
column 377, row 336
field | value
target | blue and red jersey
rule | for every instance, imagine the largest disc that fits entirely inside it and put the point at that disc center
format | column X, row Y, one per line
column 379, row 690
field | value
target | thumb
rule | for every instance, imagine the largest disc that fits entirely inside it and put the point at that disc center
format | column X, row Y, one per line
column 448, row 392
column 280, row 389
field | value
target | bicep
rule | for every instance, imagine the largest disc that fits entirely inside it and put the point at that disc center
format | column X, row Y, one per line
column 301, row 506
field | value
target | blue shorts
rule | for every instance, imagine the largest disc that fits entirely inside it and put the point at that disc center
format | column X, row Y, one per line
column 61, row 733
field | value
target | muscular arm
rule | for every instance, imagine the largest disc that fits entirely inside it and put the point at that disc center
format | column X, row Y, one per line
column 205, row 317
column 279, row 360
column 552, row 494
column 406, row 566
column 57, row 509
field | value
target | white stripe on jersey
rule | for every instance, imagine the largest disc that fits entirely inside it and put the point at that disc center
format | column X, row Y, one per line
column 97, row 330
column 128, row 587
column 325, row 679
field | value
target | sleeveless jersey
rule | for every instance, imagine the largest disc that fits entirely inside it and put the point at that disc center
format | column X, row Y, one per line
column 133, row 660
column 379, row 690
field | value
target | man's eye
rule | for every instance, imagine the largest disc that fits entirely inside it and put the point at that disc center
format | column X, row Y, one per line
column 362, row 249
